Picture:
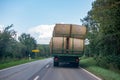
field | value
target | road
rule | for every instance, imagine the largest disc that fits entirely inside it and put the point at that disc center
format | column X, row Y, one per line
column 44, row 70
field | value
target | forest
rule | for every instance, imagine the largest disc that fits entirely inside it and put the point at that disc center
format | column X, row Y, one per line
column 103, row 24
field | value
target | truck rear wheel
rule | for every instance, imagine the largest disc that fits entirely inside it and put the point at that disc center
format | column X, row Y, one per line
column 56, row 64
column 77, row 65
column 74, row 64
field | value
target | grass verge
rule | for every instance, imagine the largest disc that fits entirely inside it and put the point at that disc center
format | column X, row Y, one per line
column 10, row 63
column 105, row 74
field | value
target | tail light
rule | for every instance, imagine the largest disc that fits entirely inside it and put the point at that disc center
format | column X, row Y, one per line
column 77, row 60
column 56, row 59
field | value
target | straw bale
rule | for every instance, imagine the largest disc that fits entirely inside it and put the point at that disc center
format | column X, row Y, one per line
column 56, row 43
column 61, row 30
column 78, row 31
column 76, row 44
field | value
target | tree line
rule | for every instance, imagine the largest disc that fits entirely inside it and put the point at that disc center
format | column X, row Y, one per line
column 103, row 24
column 12, row 47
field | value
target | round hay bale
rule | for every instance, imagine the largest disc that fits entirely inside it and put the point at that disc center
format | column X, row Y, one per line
column 50, row 45
column 61, row 30
column 76, row 45
column 57, row 44
column 78, row 31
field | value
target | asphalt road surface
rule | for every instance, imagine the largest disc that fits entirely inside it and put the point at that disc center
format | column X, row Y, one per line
column 44, row 70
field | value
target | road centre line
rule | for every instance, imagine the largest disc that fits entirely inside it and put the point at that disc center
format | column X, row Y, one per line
column 47, row 66
column 36, row 78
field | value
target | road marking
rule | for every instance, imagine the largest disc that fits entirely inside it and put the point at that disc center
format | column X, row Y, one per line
column 91, row 74
column 47, row 66
column 36, row 77
column 12, row 67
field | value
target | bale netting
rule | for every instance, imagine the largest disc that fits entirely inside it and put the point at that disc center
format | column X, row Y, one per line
column 58, row 44
column 76, row 45
column 61, row 30
column 78, row 31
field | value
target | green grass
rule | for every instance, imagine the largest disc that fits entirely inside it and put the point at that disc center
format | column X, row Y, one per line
column 10, row 63
column 105, row 74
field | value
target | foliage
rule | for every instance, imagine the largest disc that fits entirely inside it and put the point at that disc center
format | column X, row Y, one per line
column 7, row 39
column 103, row 23
column 10, row 48
column 29, row 43
column 44, row 50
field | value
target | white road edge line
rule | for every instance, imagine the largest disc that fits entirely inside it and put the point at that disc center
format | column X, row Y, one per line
column 36, row 77
column 17, row 65
column 13, row 67
column 91, row 74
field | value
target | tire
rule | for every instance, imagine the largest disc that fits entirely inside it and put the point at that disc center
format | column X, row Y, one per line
column 56, row 64
column 76, row 65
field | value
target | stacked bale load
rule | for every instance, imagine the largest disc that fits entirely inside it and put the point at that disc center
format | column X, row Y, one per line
column 68, row 38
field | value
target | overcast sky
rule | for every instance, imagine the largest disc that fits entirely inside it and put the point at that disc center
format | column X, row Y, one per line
column 38, row 17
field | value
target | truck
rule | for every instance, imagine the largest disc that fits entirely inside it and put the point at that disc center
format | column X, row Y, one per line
column 67, row 43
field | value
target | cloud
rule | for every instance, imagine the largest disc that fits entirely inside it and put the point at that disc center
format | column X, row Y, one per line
column 1, row 28
column 42, row 33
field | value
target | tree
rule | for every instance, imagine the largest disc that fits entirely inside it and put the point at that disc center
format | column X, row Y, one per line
column 29, row 42
column 44, row 50
column 106, row 42
column 92, row 33
column 6, row 37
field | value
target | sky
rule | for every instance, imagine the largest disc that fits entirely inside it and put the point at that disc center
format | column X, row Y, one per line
column 38, row 17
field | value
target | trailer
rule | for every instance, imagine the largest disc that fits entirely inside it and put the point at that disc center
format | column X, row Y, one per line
column 66, row 47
